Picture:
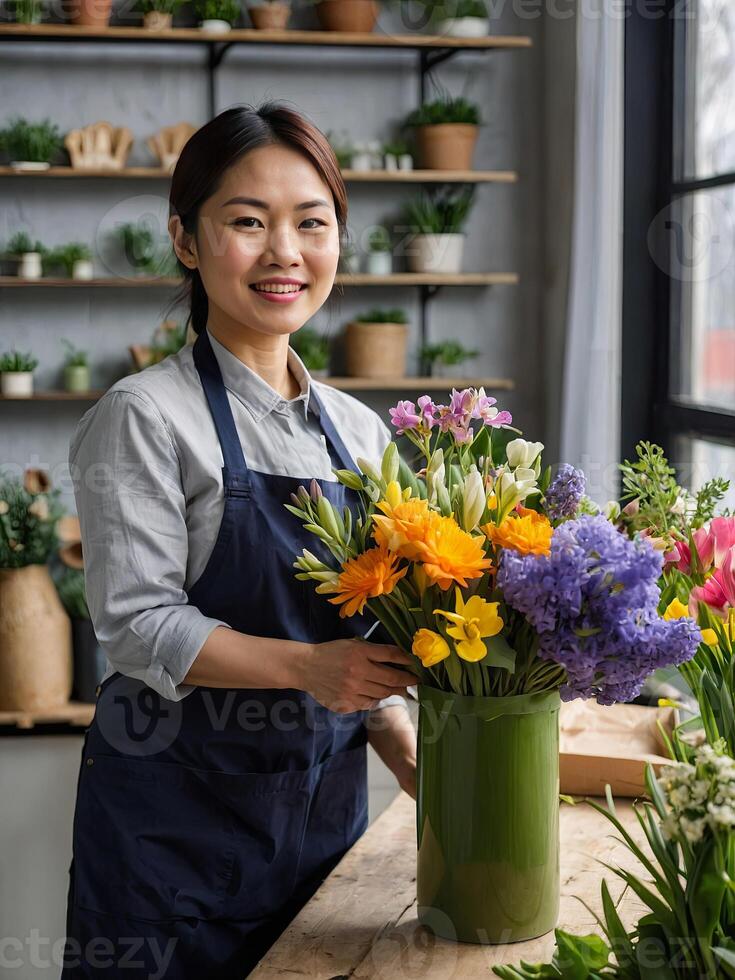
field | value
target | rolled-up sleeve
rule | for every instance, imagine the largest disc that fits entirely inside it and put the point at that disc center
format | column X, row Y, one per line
column 132, row 513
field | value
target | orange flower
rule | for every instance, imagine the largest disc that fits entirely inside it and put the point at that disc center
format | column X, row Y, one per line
column 370, row 574
column 450, row 554
column 402, row 525
column 524, row 530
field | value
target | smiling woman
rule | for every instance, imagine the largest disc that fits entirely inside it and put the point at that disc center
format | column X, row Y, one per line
column 225, row 771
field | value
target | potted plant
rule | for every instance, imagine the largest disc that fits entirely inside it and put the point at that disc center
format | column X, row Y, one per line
column 375, row 344
column 445, row 131
column 353, row 16
column 35, row 632
column 438, row 240
column 349, row 258
column 89, row 659
column 76, row 368
column 168, row 338
column 380, row 252
column 26, row 11
column 366, row 155
column 443, row 358
column 313, row 348
column 342, row 147
column 461, row 18
column 88, row 13
column 142, row 248
column 30, row 146
column 272, row 15
column 29, row 255
column 396, row 156
column 158, row 15
column 75, row 259
column 217, row 16
column 16, row 374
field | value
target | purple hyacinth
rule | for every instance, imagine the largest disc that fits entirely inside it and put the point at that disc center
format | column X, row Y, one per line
column 593, row 603
column 565, row 493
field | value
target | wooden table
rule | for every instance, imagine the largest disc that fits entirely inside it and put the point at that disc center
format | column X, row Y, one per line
column 362, row 922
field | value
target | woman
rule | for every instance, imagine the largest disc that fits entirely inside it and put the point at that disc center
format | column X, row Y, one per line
column 224, row 773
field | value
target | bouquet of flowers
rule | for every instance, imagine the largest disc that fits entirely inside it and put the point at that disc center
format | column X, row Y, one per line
column 499, row 580
column 697, row 582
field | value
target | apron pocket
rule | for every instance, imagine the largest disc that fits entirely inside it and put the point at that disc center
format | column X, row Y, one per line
column 338, row 815
column 149, row 840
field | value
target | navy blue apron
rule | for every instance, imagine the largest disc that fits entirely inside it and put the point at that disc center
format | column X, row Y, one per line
column 203, row 825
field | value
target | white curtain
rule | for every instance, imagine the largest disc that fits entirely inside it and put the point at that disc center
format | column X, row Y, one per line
column 590, row 421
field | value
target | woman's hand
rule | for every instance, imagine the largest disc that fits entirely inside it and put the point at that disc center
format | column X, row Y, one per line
column 352, row 674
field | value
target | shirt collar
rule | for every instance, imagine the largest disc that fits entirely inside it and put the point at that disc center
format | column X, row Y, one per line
column 255, row 393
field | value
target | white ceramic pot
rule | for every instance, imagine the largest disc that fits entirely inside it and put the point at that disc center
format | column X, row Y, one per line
column 215, row 26
column 16, row 384
column 379, row 263
column 351, row 263
column 405, row 161
column 29, row 165
column 362, row 160
column 436, row 253
column 390, row 161
column 82, row 269
column 463, row 27
column 30, row 266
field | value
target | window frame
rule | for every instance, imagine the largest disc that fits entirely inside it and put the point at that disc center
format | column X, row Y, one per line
column 654, row 310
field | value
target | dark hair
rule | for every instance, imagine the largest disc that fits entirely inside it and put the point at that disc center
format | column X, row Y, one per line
column 222, row 142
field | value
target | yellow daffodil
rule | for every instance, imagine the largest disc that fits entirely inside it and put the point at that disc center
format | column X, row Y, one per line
column 430, row 647
column 470, row 622
column 676, row 610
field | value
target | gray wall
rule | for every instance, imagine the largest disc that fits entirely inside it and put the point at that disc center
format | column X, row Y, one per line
column 365, row 93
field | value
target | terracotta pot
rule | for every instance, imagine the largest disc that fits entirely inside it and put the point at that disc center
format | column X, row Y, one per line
column 270, row 16
column 89, row 13
column 348, row 15
column 446, row 146
column 157, row 20
column 376, row 350
column 35, row 641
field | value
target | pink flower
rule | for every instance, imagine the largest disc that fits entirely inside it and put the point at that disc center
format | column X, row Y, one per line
column 428, row 410
column 404, row 416
column 485, row 410
column 718, row 592
column 712, row 542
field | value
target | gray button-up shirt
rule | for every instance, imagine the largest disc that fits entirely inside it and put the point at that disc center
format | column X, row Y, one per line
column 146, row 465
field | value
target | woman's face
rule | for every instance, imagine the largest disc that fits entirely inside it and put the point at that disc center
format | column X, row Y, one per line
column 272, row 218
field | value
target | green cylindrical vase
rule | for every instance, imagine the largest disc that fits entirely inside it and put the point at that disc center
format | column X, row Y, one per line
column 488, row 815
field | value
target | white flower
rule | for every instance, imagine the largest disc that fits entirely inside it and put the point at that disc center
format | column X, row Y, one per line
column 678, row 506
column 435, row 474
column 473, row 499
column 4, row 507
column 611, row 510
column 522, row 453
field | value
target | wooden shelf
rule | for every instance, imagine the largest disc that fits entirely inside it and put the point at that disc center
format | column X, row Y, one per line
column 78, row 713
column 56, row 395
column 415, row 383
column 352, row 176
column 248, row 35
column 341, row 279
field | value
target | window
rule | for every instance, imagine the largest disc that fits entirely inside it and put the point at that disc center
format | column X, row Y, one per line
column 679, row 242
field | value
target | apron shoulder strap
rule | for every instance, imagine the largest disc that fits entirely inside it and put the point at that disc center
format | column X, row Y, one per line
column 235, row 474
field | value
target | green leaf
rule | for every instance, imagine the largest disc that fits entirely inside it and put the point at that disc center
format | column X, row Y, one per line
column 705, row 892
column 454, row 672
column 499, row 653
column 651, row 938
column 577, row 956
column 407, row 478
